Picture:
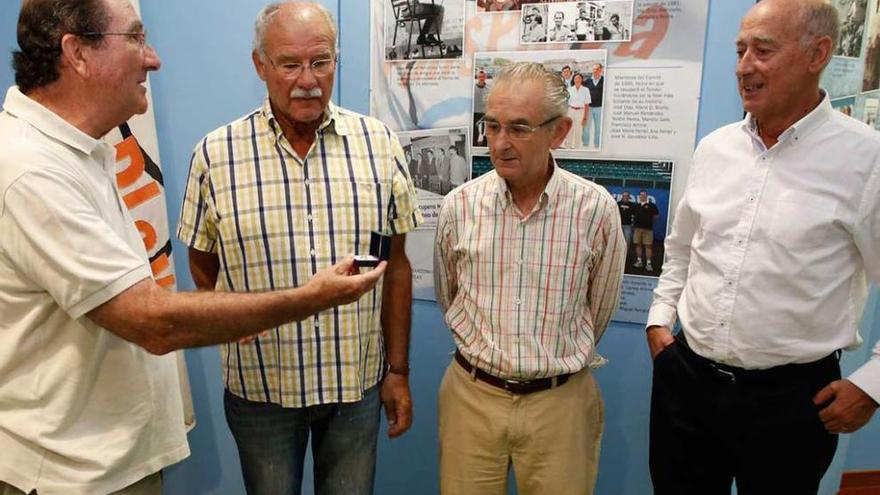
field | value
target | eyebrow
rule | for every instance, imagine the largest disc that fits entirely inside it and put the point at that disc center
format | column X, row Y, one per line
column 286, row 57
column 759, row 38
column 520, row 120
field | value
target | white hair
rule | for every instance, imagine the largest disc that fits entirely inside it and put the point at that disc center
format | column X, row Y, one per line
column 268, row 12
column 555, row 92
column 820, row 19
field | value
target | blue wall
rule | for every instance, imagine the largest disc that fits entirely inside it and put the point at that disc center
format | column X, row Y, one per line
column 8, row 18
column 207, row 79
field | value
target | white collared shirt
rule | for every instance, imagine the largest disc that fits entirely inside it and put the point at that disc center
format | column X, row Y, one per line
column 770, row 252
column 578, row 97
column 82, row 411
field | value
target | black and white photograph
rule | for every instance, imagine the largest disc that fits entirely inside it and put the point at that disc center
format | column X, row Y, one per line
column 533, row 28
column 584, row 74
column 853, row 14
column 437, row 159
column 584, row 21
column 501, row 6
column 423, row 29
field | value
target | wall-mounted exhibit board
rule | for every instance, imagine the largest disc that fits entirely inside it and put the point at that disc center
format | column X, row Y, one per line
column 650, row 59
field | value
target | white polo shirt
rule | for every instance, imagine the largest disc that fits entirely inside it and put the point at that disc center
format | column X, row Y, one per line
column 81, row 410
column 578, row 98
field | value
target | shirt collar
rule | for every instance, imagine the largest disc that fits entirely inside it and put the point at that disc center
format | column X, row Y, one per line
column 799, row 129
column 549, row 193
column 48, row 122
column 332, row 116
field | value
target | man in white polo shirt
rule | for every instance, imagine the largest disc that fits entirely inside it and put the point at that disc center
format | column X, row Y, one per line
column 89, row 400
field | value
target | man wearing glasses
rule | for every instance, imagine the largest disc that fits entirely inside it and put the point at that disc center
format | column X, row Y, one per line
column 271, row 198
column 528, row 264
column 90, row 400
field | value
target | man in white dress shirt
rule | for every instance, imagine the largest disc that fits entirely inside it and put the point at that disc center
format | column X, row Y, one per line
column 773, row 244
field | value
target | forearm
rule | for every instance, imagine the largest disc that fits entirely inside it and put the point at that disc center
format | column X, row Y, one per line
column 202, row 319
column 162, row 321
column 606, row 277
column 675, row 268
column 397, row 311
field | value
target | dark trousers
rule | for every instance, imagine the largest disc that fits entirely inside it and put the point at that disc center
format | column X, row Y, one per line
column 712, row 424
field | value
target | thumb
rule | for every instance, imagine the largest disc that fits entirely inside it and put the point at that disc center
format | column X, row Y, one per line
column 345, row 266
column 390, row 412
column 826, row 394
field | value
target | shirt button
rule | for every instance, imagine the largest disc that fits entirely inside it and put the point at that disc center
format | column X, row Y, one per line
column 307, row 182
column 751, row 198
column 312, row 252
column 518, row 302
column 310, row 218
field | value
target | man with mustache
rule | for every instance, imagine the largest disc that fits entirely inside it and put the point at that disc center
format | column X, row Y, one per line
column 767, row 264
column 273, row 197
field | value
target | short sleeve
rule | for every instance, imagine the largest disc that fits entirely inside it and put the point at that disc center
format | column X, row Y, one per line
column 195, row 227
column 55, row 234
column 404, row 214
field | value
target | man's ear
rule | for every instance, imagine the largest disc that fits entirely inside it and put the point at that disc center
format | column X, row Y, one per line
column 820, row 54
column 74, row 55
column 259, row 64
column 560, row 130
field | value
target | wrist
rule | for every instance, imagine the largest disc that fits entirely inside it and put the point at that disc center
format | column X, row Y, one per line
column 399, row 369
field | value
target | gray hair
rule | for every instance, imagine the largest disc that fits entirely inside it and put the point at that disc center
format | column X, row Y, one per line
column 268, row 12
column 555, row 93
column 818, row 19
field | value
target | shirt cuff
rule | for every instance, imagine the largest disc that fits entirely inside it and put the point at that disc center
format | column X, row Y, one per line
column 661, row 315
column 110, row 291
column 867, row 378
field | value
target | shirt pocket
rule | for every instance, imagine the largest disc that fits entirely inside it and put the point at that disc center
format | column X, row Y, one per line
column 801, row 220
column 368, row 204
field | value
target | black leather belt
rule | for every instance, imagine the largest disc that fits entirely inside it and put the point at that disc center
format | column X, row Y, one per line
column 519, row 387
column 786, row 373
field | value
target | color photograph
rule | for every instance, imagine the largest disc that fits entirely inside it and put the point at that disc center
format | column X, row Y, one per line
column 584, row 74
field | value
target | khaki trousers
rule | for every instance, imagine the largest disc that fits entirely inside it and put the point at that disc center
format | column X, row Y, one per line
column 551, row 438
column 151, row 485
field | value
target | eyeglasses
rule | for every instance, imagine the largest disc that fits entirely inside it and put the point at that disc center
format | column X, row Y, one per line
column 293, row 70
column 514, row 131
column 139, row 38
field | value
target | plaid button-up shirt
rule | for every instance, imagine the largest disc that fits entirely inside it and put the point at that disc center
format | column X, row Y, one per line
column 274, row 220
column 528, row 296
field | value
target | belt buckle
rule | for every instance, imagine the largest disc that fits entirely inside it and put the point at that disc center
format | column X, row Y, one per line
column 511, row 383
column 727, row 374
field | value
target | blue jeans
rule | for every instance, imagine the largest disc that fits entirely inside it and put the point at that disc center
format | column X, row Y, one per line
column 595, row 124
column 627, row 234
column 272, row 442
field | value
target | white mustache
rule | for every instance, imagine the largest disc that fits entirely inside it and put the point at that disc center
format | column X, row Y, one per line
column 303, row 93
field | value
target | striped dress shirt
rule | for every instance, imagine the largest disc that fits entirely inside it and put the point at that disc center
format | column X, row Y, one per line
column 528, row 296
column 274, row 220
